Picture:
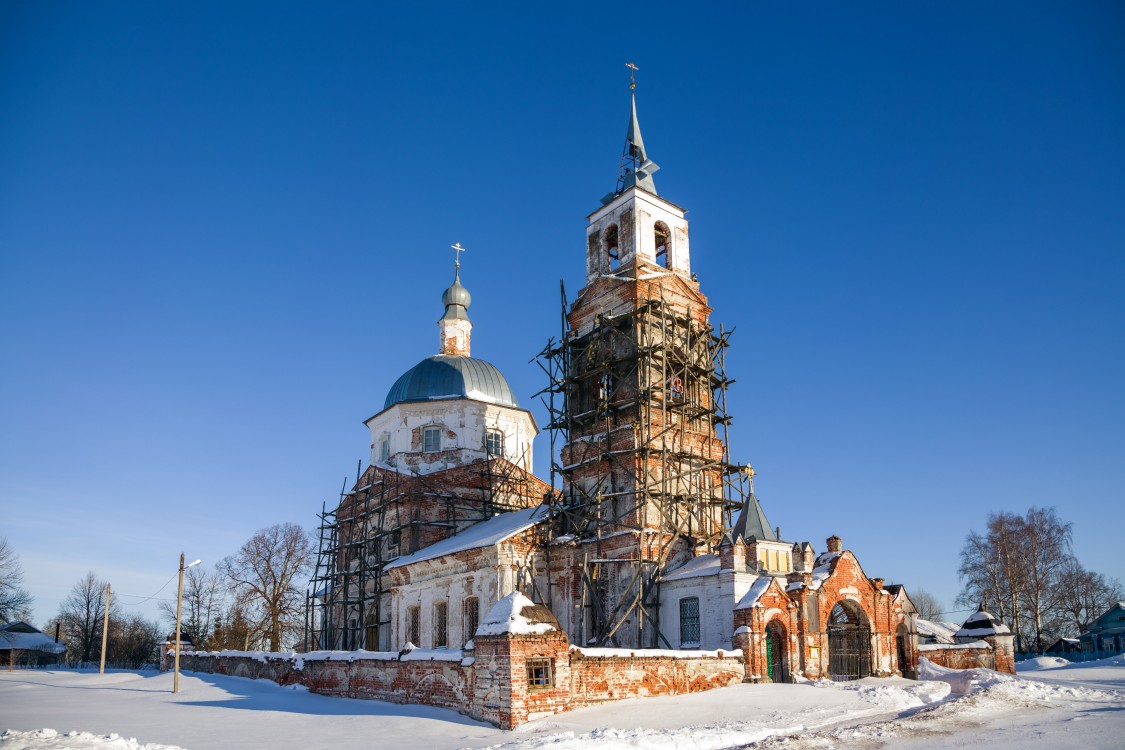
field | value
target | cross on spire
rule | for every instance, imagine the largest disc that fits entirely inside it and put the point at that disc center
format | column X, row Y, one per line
column 457, row 250
column 632, row 81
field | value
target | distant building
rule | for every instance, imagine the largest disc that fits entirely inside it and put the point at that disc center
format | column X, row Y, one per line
column 23, row 644
column 168, row 649
column 1105, row 635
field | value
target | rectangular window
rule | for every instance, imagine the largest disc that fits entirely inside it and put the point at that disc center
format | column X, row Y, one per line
column 540, row 674
column 441, row 625
column 494, row 443
column 414, row 625
column 689, row 621
column 385, row 450
column 431, row 440
column 472, row 618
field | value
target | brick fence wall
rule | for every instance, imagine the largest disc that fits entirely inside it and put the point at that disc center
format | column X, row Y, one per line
column 490, row 683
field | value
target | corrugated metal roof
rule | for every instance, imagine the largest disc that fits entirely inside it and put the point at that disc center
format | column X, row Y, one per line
column 446, row 376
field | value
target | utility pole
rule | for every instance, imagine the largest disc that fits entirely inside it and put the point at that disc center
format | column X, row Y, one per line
column 179, row 613
column 105, row 629
column 179, row 616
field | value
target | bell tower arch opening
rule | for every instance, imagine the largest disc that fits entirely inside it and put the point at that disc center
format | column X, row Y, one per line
column 612, row 248
column 663, row 244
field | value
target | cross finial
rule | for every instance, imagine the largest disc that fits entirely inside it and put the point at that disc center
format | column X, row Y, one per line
column 750, row 472
column 457, row 250
column 632, row 80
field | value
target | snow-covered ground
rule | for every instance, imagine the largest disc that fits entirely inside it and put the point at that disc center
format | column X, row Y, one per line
column 1049, row 705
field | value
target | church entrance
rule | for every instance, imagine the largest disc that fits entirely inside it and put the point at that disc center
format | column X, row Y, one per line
column 849, row 642
column 775, row 652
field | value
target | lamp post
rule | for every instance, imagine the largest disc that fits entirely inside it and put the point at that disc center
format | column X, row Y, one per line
column 179, row 613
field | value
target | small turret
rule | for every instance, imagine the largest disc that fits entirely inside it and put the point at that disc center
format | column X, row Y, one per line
column 454, row 327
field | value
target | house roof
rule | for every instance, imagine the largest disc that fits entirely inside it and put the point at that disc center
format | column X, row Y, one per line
column 484, row 534
column 19, row 636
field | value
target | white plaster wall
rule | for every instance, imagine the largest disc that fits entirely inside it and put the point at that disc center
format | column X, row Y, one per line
column 490, row 578
column 647, row 210
column 718, row 594
column 467, row 419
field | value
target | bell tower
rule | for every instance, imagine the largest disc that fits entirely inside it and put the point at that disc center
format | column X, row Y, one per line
column 639, row 409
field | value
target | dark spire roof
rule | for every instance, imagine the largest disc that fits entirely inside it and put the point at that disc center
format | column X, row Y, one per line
column 752, row 522
column 636, row 168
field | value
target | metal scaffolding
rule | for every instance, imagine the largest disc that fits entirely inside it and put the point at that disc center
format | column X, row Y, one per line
column 638, row 432
column 381, row 519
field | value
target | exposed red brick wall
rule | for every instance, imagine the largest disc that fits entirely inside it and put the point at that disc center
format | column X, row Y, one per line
column 960, row 657
column 598, row 679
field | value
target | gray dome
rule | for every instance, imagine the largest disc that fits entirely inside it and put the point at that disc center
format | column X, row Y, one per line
column 456, row 295
column 445, row 376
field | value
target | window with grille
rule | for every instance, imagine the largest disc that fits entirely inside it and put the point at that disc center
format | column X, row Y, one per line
column 441, row 625
column 689, row 621
column 431, row 439
column 494, row 443
column 472, row 618
column 414, row 625
column 540, row 673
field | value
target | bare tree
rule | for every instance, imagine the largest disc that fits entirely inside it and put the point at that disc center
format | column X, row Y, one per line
column 1084, row 595
column 132, row 641
column 1046, row 554
column 262, row 573
column 928, row 606
column 81, row 615
column 203, row 603
column 991, row 570
column 15, row 601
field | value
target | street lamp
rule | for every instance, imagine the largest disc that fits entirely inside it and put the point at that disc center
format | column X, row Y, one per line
column 179, row 613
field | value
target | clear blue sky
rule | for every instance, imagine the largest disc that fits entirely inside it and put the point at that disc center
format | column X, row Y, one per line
column 224, row 233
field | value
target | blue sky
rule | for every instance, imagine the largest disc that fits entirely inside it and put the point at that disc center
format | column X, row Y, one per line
column 224, row 233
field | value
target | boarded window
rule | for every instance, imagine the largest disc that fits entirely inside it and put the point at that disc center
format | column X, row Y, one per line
column 385, row 450
column 689, row 621
column 540, row 673
column 441, row 625
column 494, row 443
column 431, row 440
column 471, row 617
column 414, row 625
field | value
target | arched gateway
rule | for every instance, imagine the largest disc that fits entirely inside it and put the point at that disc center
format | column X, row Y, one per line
column 849, row 642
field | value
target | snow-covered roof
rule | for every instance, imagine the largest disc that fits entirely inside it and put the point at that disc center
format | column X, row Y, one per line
column 518, row 615
column 981, row 624
column 19, row 636
column 484, row 534
column 757, row 588
column 704, row 565
column 941, row 632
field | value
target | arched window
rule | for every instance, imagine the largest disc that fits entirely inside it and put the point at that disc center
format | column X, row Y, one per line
column 494, row 442
column 612, row 243
column 689, row 621
column 441, row 625
column 663, row 240
column 471, row 620
column 431, row 439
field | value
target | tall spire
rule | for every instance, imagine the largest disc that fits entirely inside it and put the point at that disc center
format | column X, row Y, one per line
column 636, row 168
column 454, row 326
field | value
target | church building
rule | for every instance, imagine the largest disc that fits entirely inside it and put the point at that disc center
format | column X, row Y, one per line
column 649, row 535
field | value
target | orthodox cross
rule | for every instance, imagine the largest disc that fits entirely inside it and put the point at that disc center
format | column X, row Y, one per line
column 457, row 250
column 632, row 69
